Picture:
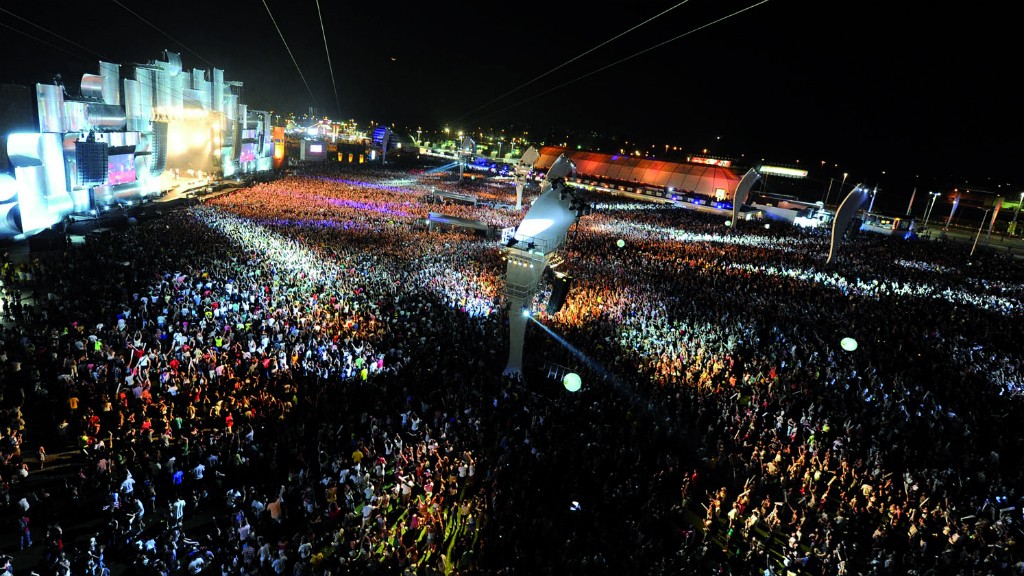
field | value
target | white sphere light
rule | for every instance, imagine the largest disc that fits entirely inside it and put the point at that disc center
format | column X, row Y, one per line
column 572, row 382
column 728, row 223
column 620, row 243
column 848, row 344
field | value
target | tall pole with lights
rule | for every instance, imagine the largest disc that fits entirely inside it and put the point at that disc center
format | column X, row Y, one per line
column 980, row 226
column 931, row 205
column 841, row 186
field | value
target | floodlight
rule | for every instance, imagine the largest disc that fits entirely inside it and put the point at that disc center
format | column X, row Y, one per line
column 572, row 382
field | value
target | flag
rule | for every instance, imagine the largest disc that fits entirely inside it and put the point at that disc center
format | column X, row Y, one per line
column 740, row 195
column 844, row 217
column 956, row 202
column 995, row 212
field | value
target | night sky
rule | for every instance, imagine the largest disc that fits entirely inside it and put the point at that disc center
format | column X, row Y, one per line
column 895, row 93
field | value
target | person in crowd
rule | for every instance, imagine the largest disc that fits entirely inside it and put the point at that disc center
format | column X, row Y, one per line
column 318, row 380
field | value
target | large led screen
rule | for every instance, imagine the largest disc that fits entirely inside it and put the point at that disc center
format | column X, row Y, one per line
column 190, row 144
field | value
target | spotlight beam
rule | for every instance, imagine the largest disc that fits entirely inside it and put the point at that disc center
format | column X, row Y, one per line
column 667, row 422
column 594, row 365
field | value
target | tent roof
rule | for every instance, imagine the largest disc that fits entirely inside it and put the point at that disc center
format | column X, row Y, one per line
column 700, row 178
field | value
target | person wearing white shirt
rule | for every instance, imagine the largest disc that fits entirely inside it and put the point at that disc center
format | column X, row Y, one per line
column 140, row 511
column 128, row 486
column 244, row 529
column 179, row 510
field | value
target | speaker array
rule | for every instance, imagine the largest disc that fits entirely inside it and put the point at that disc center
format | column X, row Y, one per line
column 559, row 290
column 92, row 162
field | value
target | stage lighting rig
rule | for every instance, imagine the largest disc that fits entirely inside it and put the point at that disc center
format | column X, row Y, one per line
column 576, row 204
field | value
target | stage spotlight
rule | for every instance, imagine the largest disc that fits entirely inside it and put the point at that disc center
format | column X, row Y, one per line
column 526, row 313
column 531, row 245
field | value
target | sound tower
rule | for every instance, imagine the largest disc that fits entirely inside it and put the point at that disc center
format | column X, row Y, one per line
column 158, row 158
column 559, row 290
column 92, row 162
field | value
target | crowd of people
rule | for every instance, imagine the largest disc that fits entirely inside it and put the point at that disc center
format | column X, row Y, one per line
column 298, row 378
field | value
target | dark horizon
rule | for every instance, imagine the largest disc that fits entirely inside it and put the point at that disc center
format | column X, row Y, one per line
column 869, row 92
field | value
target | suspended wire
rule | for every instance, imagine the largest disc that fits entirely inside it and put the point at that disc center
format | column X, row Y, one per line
column 73, row 43
column 154, row 26
column 328, row 51
column 621, row 60
column 156, row 84
column 570, row 61
column 289, row 52
column 54, row 46
column 158, row 87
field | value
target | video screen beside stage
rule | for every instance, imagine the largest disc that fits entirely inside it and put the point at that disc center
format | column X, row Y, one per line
column 248, row 153
column 121, row 165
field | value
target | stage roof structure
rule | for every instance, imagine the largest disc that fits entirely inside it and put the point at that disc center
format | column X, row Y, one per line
column 436, row 218
column 454, row 197
column 699, row 178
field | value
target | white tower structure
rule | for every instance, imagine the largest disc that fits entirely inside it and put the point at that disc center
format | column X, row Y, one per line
column 535, row 243
column 466, row 151
column 523, row 169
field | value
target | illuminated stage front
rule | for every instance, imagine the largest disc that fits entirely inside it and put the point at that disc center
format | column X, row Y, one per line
column 116, row 142
column 190, row 144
